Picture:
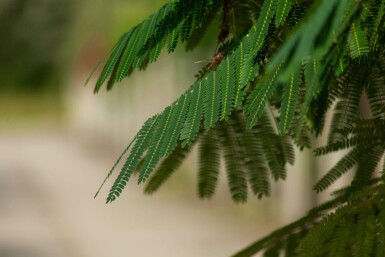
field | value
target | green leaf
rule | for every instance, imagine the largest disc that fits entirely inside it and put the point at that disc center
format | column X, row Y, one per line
column 194, row 114
column 143, row 138
column 236, row 174
column 156, row 149
column 283, row 9
column 357, row 41
column 311, row 75
column 166, row 169
column 175, row 125
column 212, row 100
column 289, row 103
column 257, row 100
column 346, row 163
column 255, row 163
column 227, row 76
column 115, row 55
column 209, row 162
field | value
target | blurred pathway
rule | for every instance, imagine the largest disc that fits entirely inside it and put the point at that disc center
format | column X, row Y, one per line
column 47, row 182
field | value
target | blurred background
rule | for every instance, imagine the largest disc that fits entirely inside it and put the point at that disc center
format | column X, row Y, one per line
column 58, row 141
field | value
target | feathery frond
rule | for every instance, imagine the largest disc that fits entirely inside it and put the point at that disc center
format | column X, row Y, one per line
column 278, row 68
column 142, row 140
column 289, row 103
column 343, row 166
column 167, row 167
column 257, row 100
column 209, row 161
column 233, row 156
column 357, row 41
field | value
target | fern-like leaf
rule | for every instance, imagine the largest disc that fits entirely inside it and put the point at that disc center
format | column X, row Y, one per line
column 312, row 81
column 344, row 165
column 376, row 93
column 212, row 100
column 364, row 234
column 236, row 175
column 289, row 103
column 347, row 108
column 113, row 60
column 209, row 160
column 255, row 163
column 166, row 169
column 311, row 245
column 155, row 152
column 283, row 9
column 357, row 41
column 173, row 22
column 262, row 25
column 227, row 86
column 257, row 100
column 266, row 133
column 143, row 138
column 194, row 114
column 366, row 167
column 342, row 237
column 175, row 125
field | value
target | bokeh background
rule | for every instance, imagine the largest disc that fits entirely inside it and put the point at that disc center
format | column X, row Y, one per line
column 58, row 140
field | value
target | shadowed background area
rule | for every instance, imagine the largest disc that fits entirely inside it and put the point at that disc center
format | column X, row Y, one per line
column 58, row 140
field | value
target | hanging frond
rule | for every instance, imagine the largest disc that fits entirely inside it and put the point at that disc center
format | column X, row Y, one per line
column 376, row 92
column 345, row 164
column 342, row 237
column 357, row 41
column 379, row 20
column 257, row 100
column 364, row 234
column 311, row 77
column 262, row 25
column 142, row 140
column 312, row 244
column 283, row 9
column 329, row 20
column 194, row 114
column 155, row 152
column 339, row 145
column 278, row 68
column 212, row 100
column 346, row 109
column 227, row 76
column 198, row 32
column 271, row 145
column 366, row 167
column 234, row 157
column 209, row 162
column 254, row 160
column 167, row 167
column 173, row 22
column 289, row 103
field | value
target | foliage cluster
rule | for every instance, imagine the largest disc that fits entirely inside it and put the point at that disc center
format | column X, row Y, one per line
column 279, row 66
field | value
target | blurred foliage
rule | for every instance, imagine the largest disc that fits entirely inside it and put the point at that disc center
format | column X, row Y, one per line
column 34, row 33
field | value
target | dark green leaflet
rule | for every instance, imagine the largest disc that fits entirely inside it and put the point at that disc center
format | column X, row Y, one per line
column 283, row 9
column 227, row 87
column 112, row 60
column 212, row 100
column 177, row 119
column 154, row 154
column 209, row 160
column 194, row 114
column 257, row 100
column 289, row 103
column 143, row 138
